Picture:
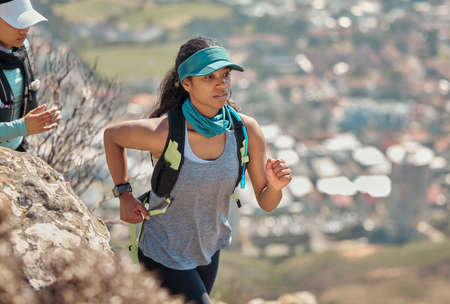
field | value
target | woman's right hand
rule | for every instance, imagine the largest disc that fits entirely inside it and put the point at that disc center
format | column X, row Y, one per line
column 39, row 121
column 131, row 209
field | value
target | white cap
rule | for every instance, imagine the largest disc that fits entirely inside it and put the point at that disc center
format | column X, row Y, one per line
column 19, row 13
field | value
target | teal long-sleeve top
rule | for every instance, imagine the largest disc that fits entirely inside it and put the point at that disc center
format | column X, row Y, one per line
column 12, row 133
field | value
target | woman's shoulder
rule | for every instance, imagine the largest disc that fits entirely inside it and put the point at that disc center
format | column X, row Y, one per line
column 253, row 129
column 159, row 124
column 148, row 128
column 155, row 132
column 249, row 121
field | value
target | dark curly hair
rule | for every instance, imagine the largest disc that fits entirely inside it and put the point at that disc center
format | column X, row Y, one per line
column 172, row 93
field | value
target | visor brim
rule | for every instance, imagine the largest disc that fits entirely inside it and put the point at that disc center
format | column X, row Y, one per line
column 215, row 66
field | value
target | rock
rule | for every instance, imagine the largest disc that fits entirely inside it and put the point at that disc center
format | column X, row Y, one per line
column 259, row 301
column 86, row 276
column 51, row 216
column 302, row 297
column 13, row 284
column 53, row 250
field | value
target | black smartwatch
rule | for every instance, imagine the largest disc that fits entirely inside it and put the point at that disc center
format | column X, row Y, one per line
column 121, row 188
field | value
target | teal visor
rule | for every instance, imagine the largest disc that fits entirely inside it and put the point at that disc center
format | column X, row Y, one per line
column 205, row 62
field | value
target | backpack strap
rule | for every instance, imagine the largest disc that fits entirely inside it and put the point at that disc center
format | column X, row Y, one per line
column 240, row 133
column 165, row 174
column 29, row 94
column 6, row 99
column 168, row 165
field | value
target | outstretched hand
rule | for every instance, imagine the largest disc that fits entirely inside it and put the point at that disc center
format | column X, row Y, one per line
column 278, row 173
column 131, row 210
column 39, row 121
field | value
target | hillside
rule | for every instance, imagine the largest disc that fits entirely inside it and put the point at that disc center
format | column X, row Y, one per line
column 147, row 33
column 414, row 273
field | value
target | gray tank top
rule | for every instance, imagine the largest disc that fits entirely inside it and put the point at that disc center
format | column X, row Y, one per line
column 196, row 225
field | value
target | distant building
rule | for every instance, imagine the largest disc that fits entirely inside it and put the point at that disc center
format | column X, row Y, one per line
column 365, row 113
column 411, row 175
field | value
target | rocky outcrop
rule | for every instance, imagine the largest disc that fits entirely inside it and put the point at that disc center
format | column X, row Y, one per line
column 53, row 250
column 52, row 218
column 13, row 283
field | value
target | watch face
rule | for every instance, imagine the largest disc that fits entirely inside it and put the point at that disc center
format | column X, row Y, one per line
column 119, row 189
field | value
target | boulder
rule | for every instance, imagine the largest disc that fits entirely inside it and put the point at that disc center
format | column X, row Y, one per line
column 13, row 283
column 52, row 217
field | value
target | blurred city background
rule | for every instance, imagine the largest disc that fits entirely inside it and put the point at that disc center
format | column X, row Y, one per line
column 354, row 95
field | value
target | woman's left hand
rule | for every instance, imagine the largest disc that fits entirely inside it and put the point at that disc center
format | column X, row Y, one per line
column 278, row 173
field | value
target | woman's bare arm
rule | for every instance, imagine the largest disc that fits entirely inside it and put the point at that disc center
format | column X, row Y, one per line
column 268, row 176
column 143, row 134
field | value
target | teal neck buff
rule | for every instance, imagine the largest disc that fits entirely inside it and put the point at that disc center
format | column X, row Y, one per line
column 208, row 127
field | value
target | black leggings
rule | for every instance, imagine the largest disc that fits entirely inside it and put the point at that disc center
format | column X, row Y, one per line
column 194, row 284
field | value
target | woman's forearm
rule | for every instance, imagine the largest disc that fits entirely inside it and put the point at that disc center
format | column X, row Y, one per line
column 116, row 158
column 269, row 198
column 12, row 129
